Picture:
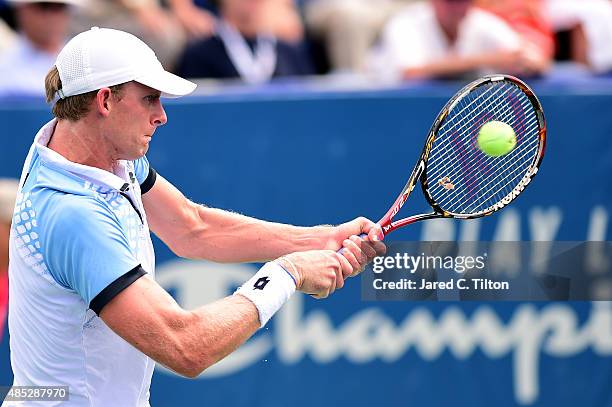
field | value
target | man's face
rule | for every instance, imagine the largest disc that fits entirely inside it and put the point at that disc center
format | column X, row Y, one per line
column 135, row 115
column 450, row 13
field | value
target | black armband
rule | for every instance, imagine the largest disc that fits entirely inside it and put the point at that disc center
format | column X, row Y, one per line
column 149, row 182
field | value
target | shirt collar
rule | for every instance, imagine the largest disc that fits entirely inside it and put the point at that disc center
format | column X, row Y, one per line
column 91, row 174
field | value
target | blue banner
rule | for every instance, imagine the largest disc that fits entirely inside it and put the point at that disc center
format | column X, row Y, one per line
column 317, row 158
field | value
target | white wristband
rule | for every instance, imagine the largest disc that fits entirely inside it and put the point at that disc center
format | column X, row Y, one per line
column 268, row 289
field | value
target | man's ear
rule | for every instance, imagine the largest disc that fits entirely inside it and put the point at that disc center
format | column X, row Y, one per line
column 103, row 101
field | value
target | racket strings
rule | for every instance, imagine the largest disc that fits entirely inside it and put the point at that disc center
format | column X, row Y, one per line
column 474, row 174
column 462, row 179
column 476, row 191
column 484, row 116
column 496, row 191
column 487, row 170
column 463, row 121
column 512, row 178
column 449, row 153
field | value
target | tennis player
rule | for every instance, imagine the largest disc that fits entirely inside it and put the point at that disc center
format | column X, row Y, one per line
column 85, row 310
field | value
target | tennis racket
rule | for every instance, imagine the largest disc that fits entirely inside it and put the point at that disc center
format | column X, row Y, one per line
column 460, row 181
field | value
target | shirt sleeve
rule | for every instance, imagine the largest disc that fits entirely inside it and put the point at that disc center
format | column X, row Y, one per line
column 87, row 249
column 145, row 174
column 141, row 169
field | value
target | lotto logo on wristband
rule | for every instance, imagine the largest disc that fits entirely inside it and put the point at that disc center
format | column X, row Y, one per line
column 268, row 293
column 261, row 283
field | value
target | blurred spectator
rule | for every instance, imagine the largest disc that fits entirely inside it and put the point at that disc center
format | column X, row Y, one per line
column 282, row 19
column 278, row 17
column 243, row 47
column 145, row 19
column 450, row 38
column 8, row 192
column 528, row 18
column 589, row 23
column 43, row 27
column 6, row 14
column 196, row 21
column 7, row 37
column 349, row 28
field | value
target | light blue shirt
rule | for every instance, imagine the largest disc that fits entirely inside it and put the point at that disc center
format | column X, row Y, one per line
column 76, row 230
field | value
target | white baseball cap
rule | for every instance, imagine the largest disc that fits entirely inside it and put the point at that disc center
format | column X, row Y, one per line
column 103, row 57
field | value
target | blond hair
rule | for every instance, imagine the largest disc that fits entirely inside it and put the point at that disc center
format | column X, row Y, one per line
column 72, row 108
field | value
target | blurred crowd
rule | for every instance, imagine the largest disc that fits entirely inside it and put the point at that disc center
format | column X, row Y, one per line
column 8, row 194
column 255, row 41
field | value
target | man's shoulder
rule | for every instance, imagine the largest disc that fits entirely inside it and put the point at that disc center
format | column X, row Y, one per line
column 53, row 181
column 59, row 196
column 61, row 208
column 64, row 198
column 71, row 205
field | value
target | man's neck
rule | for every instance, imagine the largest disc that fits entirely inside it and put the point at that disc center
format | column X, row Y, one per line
column 76, row 142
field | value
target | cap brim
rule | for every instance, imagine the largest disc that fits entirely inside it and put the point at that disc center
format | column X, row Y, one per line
column 169, row 84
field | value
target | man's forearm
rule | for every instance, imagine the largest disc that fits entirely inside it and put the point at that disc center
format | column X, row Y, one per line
column 187, row 342
column 229, row 237
column 198, row 232
column 215, row 330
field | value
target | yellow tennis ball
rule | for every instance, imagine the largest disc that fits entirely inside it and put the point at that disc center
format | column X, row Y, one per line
column 496, row 138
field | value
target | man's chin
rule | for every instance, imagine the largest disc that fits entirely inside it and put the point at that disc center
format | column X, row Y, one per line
column 136, row 156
